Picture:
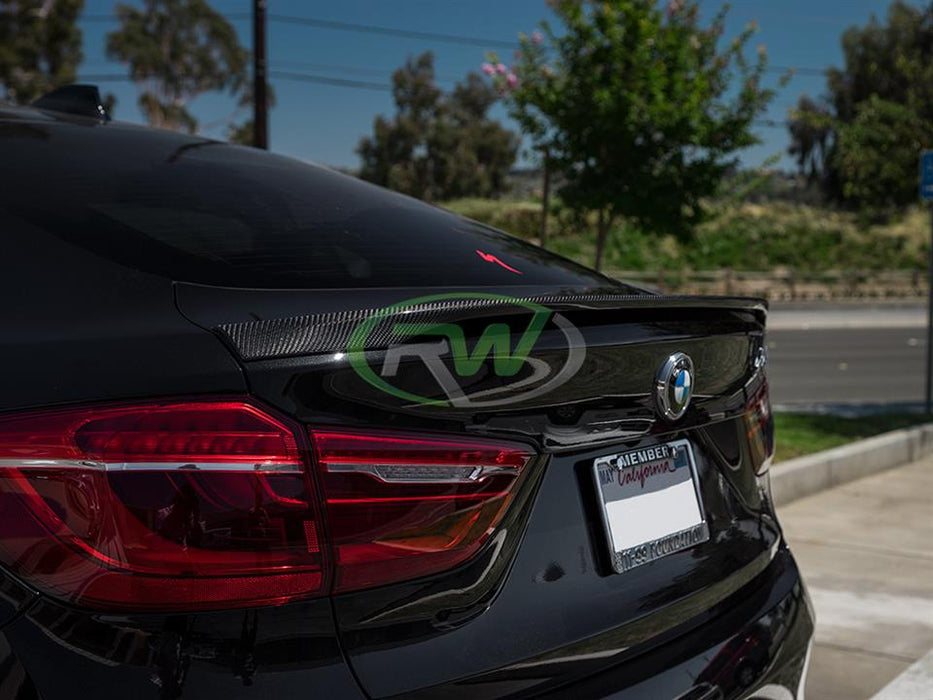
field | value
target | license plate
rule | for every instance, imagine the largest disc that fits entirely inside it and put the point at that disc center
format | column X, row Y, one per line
column 650, row 503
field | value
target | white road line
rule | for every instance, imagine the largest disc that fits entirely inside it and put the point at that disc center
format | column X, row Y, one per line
column 913, row 684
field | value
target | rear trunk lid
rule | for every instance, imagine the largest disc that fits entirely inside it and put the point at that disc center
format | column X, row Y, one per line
column 571, row 370
column 573, row 374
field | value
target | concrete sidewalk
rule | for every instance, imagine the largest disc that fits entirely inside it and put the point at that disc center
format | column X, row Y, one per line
column 866, row 552
column 829, row 316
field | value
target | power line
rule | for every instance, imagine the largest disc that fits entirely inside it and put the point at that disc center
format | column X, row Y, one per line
column 352, row 27
column 770, row 123
column 393, row 31
column 384, row 87
column 455, row 38
column 232, row 17
column 104, row 78
column 326, row 80
column 459, row 39
column 351, row 70
column 285, row 65
column 819, row 72
column 361, row 85
column 810, row 19
column 283, row 75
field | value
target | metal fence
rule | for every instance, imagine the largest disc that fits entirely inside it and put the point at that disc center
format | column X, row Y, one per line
column 787, row 285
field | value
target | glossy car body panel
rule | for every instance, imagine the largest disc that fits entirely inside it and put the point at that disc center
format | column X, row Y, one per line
column 560, row 597
column 710, row 660
column 267, row 652
column 610, row 397
column 106, row 305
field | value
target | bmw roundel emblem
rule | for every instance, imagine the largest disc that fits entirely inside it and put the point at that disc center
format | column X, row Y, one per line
column 674, row 386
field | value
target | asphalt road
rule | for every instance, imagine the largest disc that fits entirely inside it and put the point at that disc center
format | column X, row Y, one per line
column 847, row 356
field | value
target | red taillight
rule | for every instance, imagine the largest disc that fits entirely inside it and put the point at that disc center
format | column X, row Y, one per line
column 399, row 507
column 759, row 426
column 170, row 506
column 198, row 505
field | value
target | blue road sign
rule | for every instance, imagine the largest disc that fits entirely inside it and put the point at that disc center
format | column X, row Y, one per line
column 926, row 194
column 926, row 176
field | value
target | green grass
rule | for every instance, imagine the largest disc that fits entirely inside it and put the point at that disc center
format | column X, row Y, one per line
column 740, row 236
column 802, row 433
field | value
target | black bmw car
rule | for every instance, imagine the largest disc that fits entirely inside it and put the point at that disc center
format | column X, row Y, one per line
column 267, row 431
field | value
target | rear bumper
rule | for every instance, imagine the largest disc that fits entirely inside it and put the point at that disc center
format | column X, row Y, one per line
column 56, row 653
column 757, row 648
column 753, row 645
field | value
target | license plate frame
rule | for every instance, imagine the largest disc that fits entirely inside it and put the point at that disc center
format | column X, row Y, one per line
column 632, row 517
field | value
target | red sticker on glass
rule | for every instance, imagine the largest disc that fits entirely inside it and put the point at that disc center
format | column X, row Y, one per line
column 489, row 257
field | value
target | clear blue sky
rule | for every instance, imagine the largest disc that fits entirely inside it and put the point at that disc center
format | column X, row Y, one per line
column 323, row 123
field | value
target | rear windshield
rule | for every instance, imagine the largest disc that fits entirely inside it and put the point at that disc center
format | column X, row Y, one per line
column 210, row 213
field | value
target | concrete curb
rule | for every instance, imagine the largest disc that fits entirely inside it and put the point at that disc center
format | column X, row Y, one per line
column 813, row 473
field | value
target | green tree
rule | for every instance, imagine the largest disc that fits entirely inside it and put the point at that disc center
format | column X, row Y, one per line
column 886, row 64
column 40, row 46
column 177, row 50
column 438, row 146
column 893, row 60
column 243, row 133
column 640, row 110
column 812, row 137
column 877, row 155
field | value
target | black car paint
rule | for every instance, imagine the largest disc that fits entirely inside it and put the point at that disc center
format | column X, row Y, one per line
column 626, row 341
column 537, row 611
column 559, row 598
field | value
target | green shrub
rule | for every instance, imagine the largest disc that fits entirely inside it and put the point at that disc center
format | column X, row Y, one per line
column 746, row 237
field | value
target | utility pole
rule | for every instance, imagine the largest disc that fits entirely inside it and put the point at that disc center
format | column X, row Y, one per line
column 260, row 98
column 929, row 395
column 926, row 194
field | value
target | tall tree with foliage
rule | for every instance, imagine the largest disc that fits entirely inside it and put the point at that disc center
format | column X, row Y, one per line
column 641, row 110
column 877, row 155
column 177, row 50
column 812, row 137
column 40, row 46
column 438, row 146
column 891, row 60
column 886, row 82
